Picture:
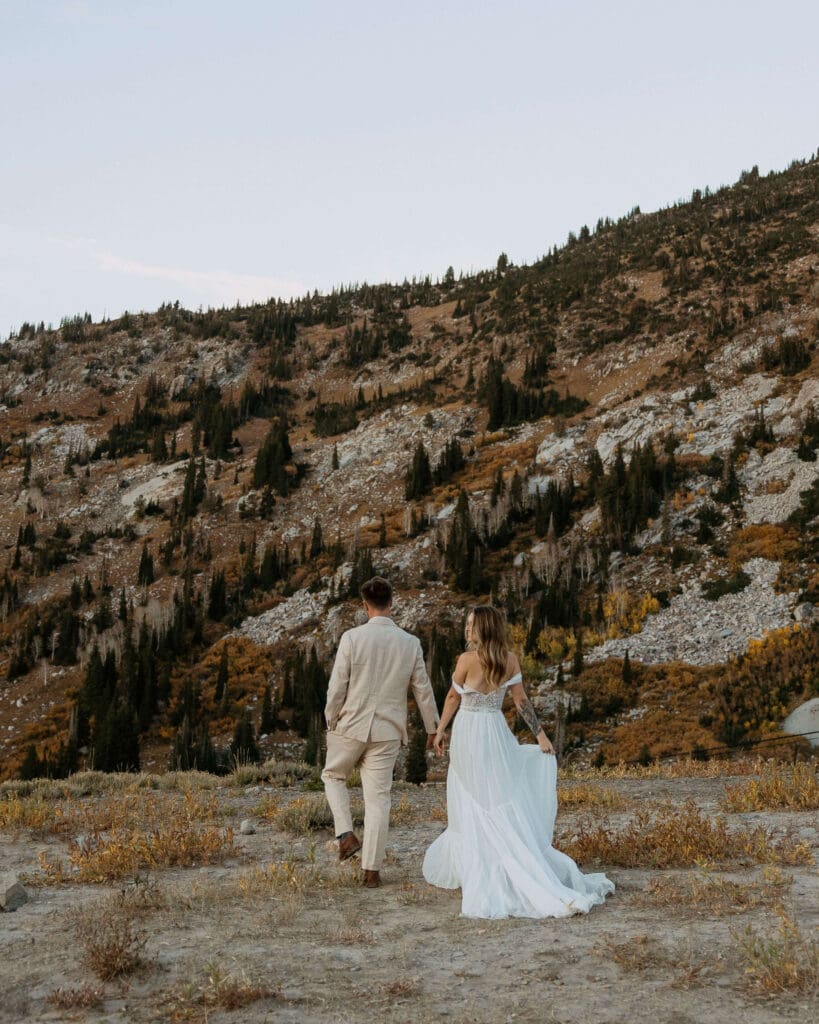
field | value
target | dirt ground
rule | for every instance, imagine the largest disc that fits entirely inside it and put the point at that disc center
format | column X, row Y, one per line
column 335, row 953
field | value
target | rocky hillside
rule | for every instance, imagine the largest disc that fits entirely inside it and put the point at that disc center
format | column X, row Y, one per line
column 618, row 443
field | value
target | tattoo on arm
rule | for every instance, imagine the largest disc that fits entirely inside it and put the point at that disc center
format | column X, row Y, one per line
column 527, row 713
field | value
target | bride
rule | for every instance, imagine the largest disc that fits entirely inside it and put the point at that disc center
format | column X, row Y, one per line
column 501, row 796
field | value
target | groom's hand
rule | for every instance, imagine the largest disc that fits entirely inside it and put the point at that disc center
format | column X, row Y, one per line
column 430, row 740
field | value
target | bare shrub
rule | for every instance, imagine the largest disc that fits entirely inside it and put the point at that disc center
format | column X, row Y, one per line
column 781, row 960
column 111, row 942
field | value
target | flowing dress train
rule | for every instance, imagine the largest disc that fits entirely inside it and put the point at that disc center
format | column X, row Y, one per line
column 501, row 807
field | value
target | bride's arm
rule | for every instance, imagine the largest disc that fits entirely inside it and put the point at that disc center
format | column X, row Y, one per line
column 529, row 716
column 451, row 705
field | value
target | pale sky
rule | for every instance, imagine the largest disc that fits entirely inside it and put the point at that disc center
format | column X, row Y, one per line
column 220, row 151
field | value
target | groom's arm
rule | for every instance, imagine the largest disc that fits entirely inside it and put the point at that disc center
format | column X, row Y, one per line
column 339, row 680
column 422, row 692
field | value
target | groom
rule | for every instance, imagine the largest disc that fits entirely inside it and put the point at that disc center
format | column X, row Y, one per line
column 366, row 715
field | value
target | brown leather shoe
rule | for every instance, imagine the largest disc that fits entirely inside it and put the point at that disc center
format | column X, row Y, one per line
column 348, row 845
column 372, row 879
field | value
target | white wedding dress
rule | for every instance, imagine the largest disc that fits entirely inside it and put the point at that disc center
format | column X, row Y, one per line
column 501, row 807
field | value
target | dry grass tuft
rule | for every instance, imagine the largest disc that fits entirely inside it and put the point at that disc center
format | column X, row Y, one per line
column 438, row 812
column 780, row 787
column 402, row 987
column 138, row 810
column 717, row 895
column 353, row 932
column 230, row 992
column 289, row 877
column 403, row 813
column 308, row 813
column 641, row 953
column 111, row 942
column 781, row 960
column 680, row 837
column 636, row 954
column 82, row 997
column 586, row 795
column 677, row 769
column 126, row 852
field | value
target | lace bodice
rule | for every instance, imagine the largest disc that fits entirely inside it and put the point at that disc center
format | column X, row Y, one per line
column 474, row 700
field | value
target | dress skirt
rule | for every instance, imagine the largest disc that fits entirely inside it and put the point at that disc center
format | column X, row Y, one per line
column 497, row 847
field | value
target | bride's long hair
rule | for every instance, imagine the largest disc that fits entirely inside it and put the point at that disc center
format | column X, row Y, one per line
column 489, row 641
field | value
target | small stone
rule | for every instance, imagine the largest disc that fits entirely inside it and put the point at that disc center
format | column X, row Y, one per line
column 12, row 893
column 247, row 828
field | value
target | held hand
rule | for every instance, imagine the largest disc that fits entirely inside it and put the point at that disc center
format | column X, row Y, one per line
column 545, row 744
column 430, row 740
column 439, row 744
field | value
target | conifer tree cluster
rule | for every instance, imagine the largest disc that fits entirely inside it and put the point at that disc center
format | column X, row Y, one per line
column 630, row 494
column 273, row 457
column 463, row 553
column 508, row 404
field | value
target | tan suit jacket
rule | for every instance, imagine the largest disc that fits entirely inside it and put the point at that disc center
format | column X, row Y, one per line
column 375, row 666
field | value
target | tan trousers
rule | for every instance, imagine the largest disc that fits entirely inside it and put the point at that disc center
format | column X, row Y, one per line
column 375, row 760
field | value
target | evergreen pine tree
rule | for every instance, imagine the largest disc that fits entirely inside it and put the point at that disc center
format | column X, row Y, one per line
column 145, row 573
column 221, row 676
column 418, row 481
column 577, row 658
column 382, row 532
column 316, row 541
column 32, row 767
column 243, row 748
column 267, row 723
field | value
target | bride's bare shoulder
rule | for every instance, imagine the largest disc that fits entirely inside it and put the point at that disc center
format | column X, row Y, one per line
column 464, row 663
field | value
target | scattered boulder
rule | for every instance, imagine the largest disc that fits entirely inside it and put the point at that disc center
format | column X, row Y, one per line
column 12, row 894
column 247, row 827
column 804, row 721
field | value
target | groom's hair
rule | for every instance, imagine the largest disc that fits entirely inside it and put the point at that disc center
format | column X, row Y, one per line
column 377, row 592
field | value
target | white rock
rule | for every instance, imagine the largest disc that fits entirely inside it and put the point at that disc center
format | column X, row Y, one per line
column 804, row 720
column 247, row 827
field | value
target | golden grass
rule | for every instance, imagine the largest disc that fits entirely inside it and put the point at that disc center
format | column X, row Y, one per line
column 686, row 768
column 781, row 960
column 780, row 787
column 403, row 813
column 716, row 895
column 438, row 812
column 308, row 813
column 290, row 877
column 680, row 837
column 127, row 852
column 136, row 810
column 586, row 795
